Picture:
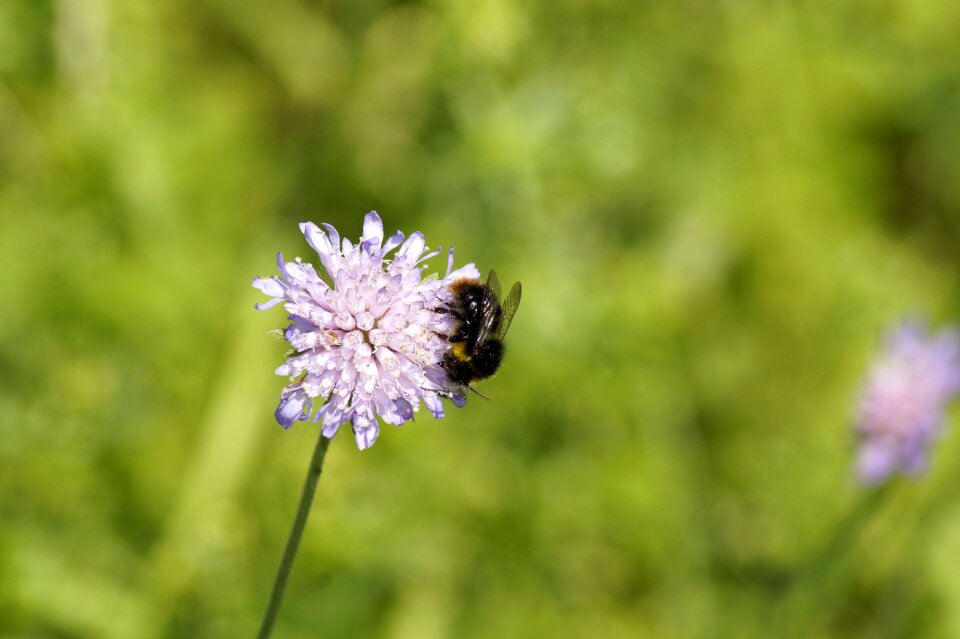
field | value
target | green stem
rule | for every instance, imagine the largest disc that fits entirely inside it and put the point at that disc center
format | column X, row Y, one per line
column 296, row 532
column 819, row 580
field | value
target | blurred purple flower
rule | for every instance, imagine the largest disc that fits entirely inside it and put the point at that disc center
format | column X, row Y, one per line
column 904, row 400
column 371, row 344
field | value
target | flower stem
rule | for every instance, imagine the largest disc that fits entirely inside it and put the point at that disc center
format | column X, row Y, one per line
column 848, row 531
column 821, row 578
column 296, row 532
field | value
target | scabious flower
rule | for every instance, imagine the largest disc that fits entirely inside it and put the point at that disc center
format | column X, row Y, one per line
column 904, row 400
column 367, row 340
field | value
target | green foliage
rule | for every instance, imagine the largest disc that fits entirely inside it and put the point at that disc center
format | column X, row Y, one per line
column 714, row 209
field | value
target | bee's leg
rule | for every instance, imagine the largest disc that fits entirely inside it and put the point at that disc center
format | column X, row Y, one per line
column 449, row 311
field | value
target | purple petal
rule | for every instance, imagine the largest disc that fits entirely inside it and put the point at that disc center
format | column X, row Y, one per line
column 373, row 227
column 268, row 304
column 288, row 368
column 332, row 232
column 326, row 247
column 459, row 399
column 366, row 436
column 268, row 286
column 296, row 273
column 413, row 247
column 435, row 405
column 913, row 458
column 329, row 430
column 316, row 238
column 876, row 461
column 426, row 257
column 404, row 409
column 333, row 418
column 293, row 407
column 393, row 242
column 449, row 262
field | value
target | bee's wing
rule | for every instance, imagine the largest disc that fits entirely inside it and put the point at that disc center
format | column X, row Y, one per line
column 488, row 307
column 509, row 307
column 493, row 285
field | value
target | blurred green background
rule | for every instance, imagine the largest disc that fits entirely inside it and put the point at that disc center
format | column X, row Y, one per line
column 715, row 210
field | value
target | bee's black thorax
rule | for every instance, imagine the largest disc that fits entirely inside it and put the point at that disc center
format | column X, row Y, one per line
column 471, row 357
column 466, row 307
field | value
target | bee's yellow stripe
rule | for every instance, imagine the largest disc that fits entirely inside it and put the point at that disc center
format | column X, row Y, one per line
column 459, row 350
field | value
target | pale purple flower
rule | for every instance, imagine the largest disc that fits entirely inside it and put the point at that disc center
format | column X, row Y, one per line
column 368, row 340
column 904, row 401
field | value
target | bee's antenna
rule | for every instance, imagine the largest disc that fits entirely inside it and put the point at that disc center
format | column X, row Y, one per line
column 476, row 392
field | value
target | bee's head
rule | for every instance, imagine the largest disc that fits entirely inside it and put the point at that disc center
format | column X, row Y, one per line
column 487, row 357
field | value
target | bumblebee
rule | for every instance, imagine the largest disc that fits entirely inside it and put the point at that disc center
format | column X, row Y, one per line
column 476, row 345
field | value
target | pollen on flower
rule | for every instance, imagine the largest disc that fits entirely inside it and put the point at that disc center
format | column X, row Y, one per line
column 904, row 401
column 368, row 339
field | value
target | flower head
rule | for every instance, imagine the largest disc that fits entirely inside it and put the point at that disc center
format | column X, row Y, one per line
column 369, row 338
column 904, row 400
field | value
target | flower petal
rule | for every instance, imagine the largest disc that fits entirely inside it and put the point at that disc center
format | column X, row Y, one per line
column 469, row 271
column 293, row 366
column 332, row 233
column 367, row 436
column 404, row 408
column 293, row 407
column 412, row 249
column 449, row 262
column 329, row 430
column 435, row 405
column 316, row 238
column 268, row 304
column 372, row 227
column 393, row 242
column 269, row 286
column 426, row 257
column 459, row 399
column 876, row 461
